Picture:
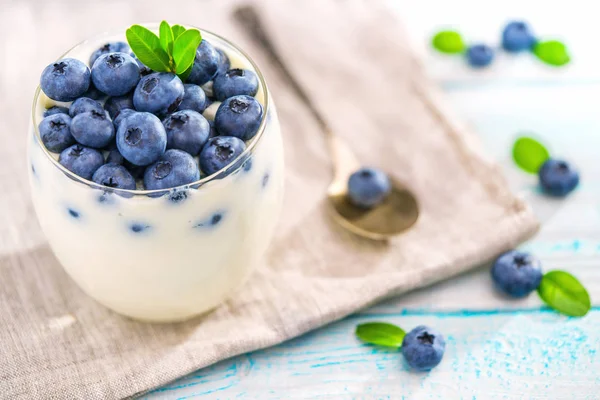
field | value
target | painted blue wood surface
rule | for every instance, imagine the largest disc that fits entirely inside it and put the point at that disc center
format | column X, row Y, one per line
column 496, row 348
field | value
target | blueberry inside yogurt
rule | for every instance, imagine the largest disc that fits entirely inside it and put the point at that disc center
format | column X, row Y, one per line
column 174, row 170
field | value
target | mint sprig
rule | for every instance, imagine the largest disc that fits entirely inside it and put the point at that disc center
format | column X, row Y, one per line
column 381, row 334
column 564, row 293
column 173, row 51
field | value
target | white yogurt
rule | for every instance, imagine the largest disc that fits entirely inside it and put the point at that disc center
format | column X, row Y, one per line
column 152, row 258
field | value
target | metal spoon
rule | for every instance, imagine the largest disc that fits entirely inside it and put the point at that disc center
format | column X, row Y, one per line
column 396, row 214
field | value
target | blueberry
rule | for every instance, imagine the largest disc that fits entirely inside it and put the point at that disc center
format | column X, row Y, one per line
column 194, row 98
column 206, row 64
column 235, row 82
column 113, row 47
column 115, row 157
column 144, row 70
column 224, row 63
column 93, row 93
column 186, row 130
column 114, row 105
column 213, row 130
column 517, row 273
column 368, row 187
column 114, row 176
column 126, row 112
column 93, row 129
column 55, row 131
column 219, row 152
column 80, row 160
column 480, row 55
column 115, row 73
column 239, row 116
column 423, row 348
column 84, row 104
column 175, row 168
column 55, row 110
column 558, row 178
column 159, row 93
column 65, row 80
column 517, row 36
column 141, row 138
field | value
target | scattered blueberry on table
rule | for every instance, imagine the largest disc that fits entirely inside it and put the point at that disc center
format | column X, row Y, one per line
column 423, row 348
column 480, row 55
column 517, row 273
column 517, row 36
column 558, row 178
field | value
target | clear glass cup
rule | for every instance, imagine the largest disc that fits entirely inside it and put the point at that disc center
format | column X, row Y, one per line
column 164, row 255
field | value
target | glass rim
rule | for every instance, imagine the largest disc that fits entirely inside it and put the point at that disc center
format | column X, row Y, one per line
column 235, row 165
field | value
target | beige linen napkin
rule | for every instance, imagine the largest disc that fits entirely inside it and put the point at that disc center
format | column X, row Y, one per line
column 353, row 59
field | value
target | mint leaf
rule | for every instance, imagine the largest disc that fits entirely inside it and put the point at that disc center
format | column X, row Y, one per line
column 380, row 333
column 552, row 52
column 146, row 47
column 450, row 42
column 184, row 75
column 184, row 49
column 177, row 30
column 166, row 37
column 564, row 293
column 529, row 154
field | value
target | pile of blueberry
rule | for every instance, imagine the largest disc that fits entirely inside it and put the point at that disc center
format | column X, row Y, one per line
column 129, row 127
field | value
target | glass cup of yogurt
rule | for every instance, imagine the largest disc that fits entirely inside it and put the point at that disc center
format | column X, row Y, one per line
column 165, row 254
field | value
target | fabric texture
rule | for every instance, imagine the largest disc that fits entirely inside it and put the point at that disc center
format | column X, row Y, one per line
column 353, row 59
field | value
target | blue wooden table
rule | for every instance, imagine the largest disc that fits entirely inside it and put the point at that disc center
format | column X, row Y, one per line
column 496, row 348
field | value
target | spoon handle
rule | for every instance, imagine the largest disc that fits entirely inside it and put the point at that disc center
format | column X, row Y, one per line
column 345, row 162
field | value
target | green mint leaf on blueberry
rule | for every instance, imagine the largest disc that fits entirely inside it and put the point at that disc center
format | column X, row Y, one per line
column 184, row 49
column 381, row 334
column 166, row 37
column 173, row 50
column 564, row 293
column 450, row 42
column 552, row 52
column 529, row 154
column 146, row 46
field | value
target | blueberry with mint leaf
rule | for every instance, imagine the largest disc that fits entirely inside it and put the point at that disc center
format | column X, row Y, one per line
column 186, row 130
column 558, row 177
column 141, row 138
column 55, row 132
column 206, row 64
column 368, row 187
column 93, row 129
column 423, row 348
column 113, row 47
column 480, row 55
column 239, row 116
column 516, row 273
column 175, row 168
column 114, row 105
column 115, row 74
column 194, row 98
column 65, row 80
column 82, row 161
column 84, row 104
column 55, row 110
column 235, row 82
column 158, row 93
column 517, row 36
column 114, row 176
column 219, row 152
